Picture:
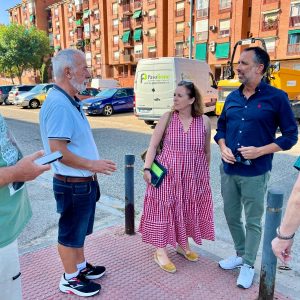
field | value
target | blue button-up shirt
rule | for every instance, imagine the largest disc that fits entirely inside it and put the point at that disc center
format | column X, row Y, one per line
column 253, row 122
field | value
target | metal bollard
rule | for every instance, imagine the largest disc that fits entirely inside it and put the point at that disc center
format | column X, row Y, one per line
column 269, row 261
column 129, row 194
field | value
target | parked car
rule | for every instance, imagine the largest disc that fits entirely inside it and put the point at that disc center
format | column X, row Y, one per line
column 18, row 90
column 109, row 101
column 88, row 93
column 35, row 97
column 4, row 91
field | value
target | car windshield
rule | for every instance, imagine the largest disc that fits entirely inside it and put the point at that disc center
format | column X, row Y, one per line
column 37, row 88
column 106, row 93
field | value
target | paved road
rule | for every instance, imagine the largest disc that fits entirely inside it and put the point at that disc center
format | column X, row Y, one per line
column 116, row 136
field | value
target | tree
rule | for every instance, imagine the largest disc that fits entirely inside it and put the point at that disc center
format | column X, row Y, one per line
column 22, row 49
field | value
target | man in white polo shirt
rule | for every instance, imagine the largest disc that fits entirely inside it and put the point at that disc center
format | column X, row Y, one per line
column 64, row 127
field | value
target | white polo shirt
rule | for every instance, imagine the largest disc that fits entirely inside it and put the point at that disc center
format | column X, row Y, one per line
column 62, row 118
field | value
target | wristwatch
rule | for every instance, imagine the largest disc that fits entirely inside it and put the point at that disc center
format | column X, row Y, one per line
column 284, row 237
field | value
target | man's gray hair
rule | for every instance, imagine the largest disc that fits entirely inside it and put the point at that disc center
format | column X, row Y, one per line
column 66, row 58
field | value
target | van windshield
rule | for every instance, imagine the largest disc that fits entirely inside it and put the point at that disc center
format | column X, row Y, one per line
column 106, row 93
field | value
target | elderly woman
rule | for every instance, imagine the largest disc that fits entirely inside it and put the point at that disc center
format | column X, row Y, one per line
column 181, row 207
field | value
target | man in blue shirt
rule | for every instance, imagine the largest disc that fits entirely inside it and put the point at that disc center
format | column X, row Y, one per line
column 246, row 137
column 64, row 127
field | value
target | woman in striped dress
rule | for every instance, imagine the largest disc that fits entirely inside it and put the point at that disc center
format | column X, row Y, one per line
column 181, row 207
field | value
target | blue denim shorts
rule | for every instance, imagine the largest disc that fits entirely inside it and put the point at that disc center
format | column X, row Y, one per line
column 76, row 204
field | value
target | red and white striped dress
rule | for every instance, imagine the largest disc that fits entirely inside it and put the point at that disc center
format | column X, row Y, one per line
column 182, row 206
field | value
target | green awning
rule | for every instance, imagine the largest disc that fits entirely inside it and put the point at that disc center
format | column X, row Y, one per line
column 79, row 22
column 137, row 35
column 222, row 50
column 57, row 47
column 137, row 14
column 31, row 18
column 125, row 37
column 201, row 51
column 86, row 13
column 294, row 31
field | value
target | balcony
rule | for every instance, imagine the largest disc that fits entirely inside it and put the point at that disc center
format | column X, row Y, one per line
column 127, row 9
column 115, row 28
column 138, row 4
column 138, row 56
column 127, row 58
column 85, row 4
column 179, row 52
column 151, row 54
column 269, row 25
column 293, row 49
column 202, row 13
column 151, row 38
column 294, row 21
column 126, row 24
column 78, row 8
column 179, row 12
column 138, row 22
column 151, row 19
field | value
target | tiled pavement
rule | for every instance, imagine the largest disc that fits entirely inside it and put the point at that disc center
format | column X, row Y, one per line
column 132, row 273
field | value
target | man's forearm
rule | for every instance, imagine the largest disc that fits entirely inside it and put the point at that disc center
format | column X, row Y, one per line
column 7, row 175
column 268, row 149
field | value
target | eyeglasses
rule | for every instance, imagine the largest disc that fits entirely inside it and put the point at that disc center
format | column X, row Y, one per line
column 240, row 159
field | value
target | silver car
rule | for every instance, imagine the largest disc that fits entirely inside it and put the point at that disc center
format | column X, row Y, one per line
column 18, row 90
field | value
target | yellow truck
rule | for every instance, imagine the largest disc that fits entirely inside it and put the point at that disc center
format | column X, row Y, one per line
column 287, row 80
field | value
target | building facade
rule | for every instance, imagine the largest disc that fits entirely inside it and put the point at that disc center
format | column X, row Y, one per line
column 115, row 34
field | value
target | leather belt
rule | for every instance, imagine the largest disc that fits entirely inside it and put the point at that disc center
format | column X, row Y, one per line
column 75, row 179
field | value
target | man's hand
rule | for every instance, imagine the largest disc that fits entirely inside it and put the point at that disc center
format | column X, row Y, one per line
column 227, row 155
column 250, row 152
column 26, row 169
column 103, row 166
column 282, row 249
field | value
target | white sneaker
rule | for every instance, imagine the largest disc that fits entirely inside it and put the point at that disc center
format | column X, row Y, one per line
column 231, row 262
column 246, row 276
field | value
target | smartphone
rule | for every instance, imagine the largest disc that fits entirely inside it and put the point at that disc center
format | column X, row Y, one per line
column 49, row 158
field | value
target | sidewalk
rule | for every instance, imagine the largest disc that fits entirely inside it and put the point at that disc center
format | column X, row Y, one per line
column 132, row 273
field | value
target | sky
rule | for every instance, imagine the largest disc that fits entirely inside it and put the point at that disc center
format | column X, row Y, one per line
column 5, row 4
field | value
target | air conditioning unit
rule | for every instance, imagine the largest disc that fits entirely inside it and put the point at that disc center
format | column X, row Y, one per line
column 145, row 32
column 144, row 13
column 212, row 46
column 212, row 28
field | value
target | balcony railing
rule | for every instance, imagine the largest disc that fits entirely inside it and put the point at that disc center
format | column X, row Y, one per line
column 126, row 8
column 179, row 52
column 269, row 25
column 115, row 27
column 294, row 21
column 202, row 12
column 127, row 57
column 293, row 49
column 138, row 22
column 151, row 38
column 126, row 24
column 179, row 12
column 137, row 4
column 152, row 54
column 179, row 31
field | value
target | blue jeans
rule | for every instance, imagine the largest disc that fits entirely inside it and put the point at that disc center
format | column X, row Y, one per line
column 76, row 204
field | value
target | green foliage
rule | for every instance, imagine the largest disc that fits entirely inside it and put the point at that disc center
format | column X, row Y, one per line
column 44, row 71
column 22, row 49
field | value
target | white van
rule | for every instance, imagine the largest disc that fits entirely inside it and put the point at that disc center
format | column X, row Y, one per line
column 156, row 80
column 101, row 84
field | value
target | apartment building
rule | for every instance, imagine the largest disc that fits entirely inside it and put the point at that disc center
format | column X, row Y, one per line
column 115, row 34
